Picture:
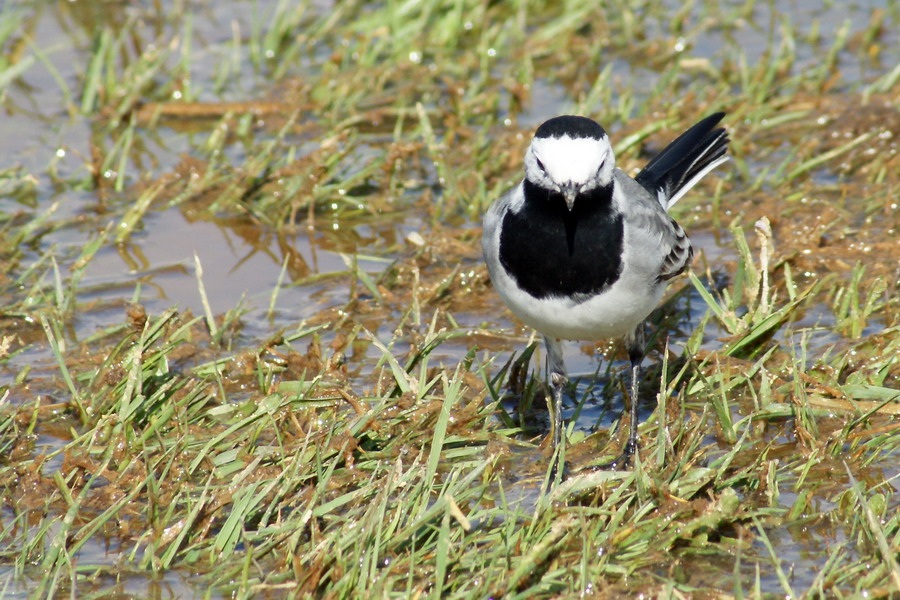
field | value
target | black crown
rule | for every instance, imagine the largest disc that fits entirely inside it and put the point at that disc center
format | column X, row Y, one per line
column 572, row 126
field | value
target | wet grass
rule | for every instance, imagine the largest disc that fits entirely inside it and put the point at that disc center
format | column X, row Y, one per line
column 387, row 436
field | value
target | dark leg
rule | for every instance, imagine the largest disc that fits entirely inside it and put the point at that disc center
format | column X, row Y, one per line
column 635, row 345
column 557, row 378
column 636, row 350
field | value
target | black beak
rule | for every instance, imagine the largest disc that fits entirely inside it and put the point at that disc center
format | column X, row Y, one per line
column 569, row 192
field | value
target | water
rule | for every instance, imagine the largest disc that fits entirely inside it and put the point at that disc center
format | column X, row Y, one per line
column 242, row 263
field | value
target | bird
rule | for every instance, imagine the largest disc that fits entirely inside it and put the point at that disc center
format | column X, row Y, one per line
column 580, row 250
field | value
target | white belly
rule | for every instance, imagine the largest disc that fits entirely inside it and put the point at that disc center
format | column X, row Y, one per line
column 612, row 314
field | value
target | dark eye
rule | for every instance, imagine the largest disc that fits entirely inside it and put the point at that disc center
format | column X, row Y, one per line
column 540, row 164
column 600, row 168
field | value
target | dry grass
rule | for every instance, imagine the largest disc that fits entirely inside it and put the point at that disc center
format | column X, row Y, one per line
column 385, row 438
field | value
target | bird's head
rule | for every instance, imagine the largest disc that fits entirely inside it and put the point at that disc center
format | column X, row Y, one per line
column 570, row 155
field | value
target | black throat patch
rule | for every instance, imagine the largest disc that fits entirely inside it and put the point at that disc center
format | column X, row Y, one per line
column 553, row 252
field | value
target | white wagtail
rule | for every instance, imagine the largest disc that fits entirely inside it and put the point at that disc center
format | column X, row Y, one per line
column 581, row 251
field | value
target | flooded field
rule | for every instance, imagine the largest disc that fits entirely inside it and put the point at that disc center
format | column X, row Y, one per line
column 248, row 346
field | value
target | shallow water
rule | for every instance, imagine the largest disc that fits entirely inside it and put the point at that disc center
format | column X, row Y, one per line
column 242, row 264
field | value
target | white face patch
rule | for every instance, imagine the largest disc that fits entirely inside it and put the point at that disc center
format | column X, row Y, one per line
column 586, row 163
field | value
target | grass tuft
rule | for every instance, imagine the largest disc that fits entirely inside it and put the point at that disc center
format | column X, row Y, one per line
column 364, row 420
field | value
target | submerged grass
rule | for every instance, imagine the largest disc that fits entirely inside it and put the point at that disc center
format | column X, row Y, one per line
column 387, row 445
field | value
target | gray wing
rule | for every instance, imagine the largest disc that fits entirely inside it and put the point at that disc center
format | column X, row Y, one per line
column 657, row 232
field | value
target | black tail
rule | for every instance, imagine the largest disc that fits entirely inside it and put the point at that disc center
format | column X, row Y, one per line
column 685, row 161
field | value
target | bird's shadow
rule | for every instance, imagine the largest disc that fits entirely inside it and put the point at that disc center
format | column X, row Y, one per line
column 595, row 401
